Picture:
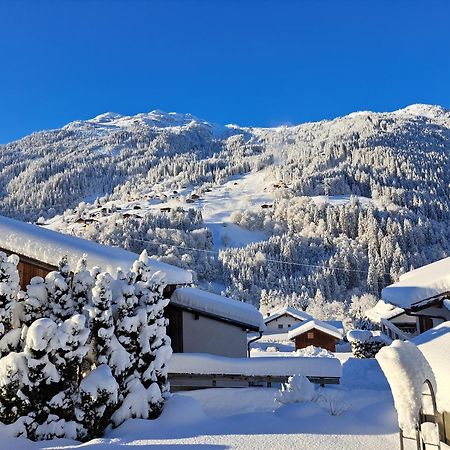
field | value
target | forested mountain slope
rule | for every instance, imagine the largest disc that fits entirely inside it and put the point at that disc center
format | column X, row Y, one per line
column 311, row 214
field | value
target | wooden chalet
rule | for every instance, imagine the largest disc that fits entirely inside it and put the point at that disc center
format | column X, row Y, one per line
column 317, row 333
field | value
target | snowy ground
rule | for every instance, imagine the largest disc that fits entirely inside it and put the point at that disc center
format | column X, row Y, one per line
column 215, row 419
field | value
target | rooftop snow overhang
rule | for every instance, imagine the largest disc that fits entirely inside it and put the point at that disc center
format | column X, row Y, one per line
column 48, row 246
column 317, row 325
column 218, row 307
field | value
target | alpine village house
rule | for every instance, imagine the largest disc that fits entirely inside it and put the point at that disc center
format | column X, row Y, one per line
column 199, row 322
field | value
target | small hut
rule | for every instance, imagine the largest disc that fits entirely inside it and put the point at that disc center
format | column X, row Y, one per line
column 317, row 333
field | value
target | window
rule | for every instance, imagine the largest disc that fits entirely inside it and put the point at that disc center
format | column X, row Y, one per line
column 289, row 325
column 310, row 335
column 280, row 326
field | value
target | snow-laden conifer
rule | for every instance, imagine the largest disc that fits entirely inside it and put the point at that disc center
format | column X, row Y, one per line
column 34, row 301
column 59, row 293
column 9, row 286
column 82, row 284
column 101, row 318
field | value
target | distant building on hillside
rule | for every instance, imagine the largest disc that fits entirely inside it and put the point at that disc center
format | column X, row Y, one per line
column 199, row 322
column 317, row 333
column 283, row 319
column 423, row 294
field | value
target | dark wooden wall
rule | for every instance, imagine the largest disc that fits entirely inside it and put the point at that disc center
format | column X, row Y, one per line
column 29, row 268
column 317, row 338
column 175, row 327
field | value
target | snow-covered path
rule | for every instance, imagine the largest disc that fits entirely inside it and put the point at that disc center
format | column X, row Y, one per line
column 250, row 419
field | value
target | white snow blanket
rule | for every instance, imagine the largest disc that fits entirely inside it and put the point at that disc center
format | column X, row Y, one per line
column 48, row 246
column 419, row 284
column 206, row 364
column 435, row 346
column 218, row 305
column 406, row 369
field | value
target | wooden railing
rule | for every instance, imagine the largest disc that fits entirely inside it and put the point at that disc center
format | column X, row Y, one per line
column 393, row 332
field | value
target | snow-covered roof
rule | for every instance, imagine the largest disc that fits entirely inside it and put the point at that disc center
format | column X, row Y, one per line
column 317, row 325
column 201, row 363
column 287, row 310
column 48, row 246
column 419, row 284
column 383, row 310
column 435, row 346
column 219, row 306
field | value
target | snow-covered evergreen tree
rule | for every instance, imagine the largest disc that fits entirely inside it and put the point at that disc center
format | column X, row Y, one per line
column 101, row 318
column 43, row 381
column 9, row 286
column 34, row 301
column 59, row 293
column 70, row 349
column 96, row 402
column 82, row 284
column 128, row 324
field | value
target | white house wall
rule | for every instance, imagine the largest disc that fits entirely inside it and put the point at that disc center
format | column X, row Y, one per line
column 205, row 335
column 403, row 318
column 285, row 320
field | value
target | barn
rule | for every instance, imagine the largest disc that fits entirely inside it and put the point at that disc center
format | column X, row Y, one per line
column 198, row 321
column 315, row 332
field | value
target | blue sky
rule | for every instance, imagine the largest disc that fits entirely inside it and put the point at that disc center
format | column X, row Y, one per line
column 247, row 62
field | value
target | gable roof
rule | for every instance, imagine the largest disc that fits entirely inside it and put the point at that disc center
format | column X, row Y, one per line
column 383, row 310
column 218, row 306
column 317, row 325
column 287, row 310
column 48, row 246
column 419, row 285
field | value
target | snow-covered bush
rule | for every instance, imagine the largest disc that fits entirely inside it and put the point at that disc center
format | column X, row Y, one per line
column 298, row 389
column 72, row 375
column 364, row 343
column 97, row 398
column 333, row 403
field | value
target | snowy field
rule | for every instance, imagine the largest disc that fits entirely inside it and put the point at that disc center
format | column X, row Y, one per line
column 216, row 419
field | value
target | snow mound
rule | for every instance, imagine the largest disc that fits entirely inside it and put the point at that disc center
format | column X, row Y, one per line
column 406, row 369
column 434, row 345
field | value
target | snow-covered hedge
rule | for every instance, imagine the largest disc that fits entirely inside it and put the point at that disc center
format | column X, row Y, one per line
column 365, row 344
column 77, row 355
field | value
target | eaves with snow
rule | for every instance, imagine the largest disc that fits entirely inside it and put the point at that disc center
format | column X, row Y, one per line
column 315, row 324
column 419, row 285
column 218, row 306
column 49, row 246
column 287, row 310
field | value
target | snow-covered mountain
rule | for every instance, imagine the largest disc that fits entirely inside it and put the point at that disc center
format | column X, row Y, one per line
column 340, row 206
